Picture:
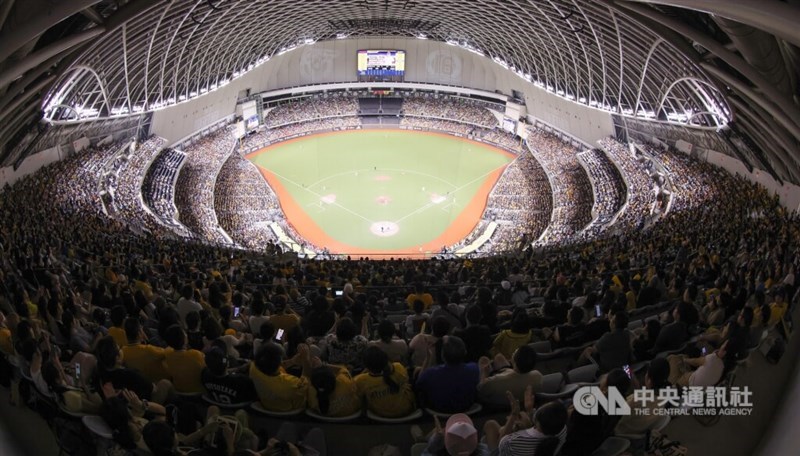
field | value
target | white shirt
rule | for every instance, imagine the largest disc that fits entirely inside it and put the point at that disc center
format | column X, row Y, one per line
column 185, row 306
column 709, row 373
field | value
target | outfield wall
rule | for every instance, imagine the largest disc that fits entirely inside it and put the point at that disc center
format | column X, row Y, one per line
column 427, row 61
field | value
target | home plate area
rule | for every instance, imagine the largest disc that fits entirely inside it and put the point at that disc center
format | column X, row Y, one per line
column 328, row 199
column 384, row 229
column 437, row 198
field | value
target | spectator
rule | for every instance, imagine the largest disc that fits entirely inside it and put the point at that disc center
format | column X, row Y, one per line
column 145, row 358
column 277, row 390
column 543, row 433
column 332, row 392
column 344, row 346
column 395, row 348
column 384, row 385
column 477, row 336
column 225, row 387
column 514, row 377
column 614, row 348
column 449, row 387
column 509, row 340
column 656, row 378
column 183, row 365
column 706, row 370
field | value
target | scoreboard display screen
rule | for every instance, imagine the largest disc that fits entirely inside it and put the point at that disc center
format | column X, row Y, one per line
column 381, row 65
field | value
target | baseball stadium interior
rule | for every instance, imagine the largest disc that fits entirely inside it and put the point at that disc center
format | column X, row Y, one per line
column 399, row 227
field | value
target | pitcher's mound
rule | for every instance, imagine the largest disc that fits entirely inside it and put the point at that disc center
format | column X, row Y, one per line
column 384, row 229
column 383, row 200
column 382, row 178
column 328, row 199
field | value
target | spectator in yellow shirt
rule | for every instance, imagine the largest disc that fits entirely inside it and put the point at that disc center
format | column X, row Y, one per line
column 422, row 295
column 184, row 366
column 277, row 390
column 778, row 307
column 384, row 386
column 118, row 314
column 147, row 359
column 333, row 392
column 509, row 340
column 284, row 317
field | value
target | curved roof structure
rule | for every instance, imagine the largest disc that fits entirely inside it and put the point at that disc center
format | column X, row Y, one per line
column 652, row 59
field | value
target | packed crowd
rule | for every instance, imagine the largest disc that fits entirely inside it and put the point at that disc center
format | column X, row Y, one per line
column 146, row 318
column 610, row 191
column 521, row 203
column 127, row 202
column 572, row 191
column 641, row 193
column 312, row 108
column 194, row 189
column 691, row 179
column 453, row 108
column 263, row 138
column 245, row 205
column 158, row 188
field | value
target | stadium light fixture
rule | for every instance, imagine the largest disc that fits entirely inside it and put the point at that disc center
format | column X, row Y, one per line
column 422, row 36
column 341, row 36
column 182, row 97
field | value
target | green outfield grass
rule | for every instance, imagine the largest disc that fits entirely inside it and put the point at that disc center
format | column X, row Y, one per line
column 351, row 184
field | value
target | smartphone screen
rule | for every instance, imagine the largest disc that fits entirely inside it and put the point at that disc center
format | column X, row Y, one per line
column 279, row 335
column 627, row 369
column 704, row 351
column 597, row 311
column 339, row 292
column 236, row 311
column 77, row 371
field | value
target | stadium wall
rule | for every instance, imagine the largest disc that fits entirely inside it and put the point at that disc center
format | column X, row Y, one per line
column 426, row 61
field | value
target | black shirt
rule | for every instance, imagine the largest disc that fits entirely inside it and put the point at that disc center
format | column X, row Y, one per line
column 130, row 379
column 228, row 389
column 478, row 340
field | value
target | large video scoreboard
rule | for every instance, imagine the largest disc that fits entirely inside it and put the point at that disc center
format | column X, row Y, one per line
column 381, row 65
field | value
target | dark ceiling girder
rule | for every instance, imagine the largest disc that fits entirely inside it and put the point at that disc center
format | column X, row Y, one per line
column 30, row 61
column 778, row 18
column 17, row 102
column 10, row 41
column 5, row 9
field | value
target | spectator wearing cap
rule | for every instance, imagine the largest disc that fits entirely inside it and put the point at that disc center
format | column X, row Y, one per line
column 448, row 387
column 223, row 386
column 459, row 438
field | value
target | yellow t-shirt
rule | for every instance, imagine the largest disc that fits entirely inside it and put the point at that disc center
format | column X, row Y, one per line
column 147, row 359
column 6, row 344
column 284, row 321
column 119, row 336
column 279, row 393
column 507, row 342
column 185, row 367
column 426, row 299
column 777, row 311
column 380, row 400
column 344, row 399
